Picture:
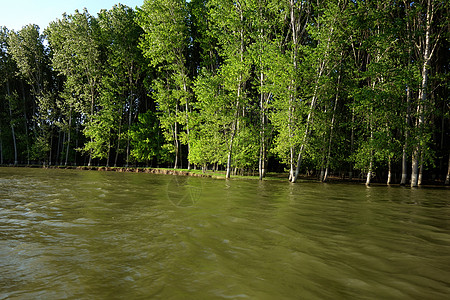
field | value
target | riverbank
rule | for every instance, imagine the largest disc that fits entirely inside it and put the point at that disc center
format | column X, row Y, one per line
column 219, row 174
column 162, row 171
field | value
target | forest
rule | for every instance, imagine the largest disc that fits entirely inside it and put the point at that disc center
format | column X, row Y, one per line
column 347, row 88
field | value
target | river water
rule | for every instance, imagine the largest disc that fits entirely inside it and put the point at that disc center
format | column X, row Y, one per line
column 69, row 234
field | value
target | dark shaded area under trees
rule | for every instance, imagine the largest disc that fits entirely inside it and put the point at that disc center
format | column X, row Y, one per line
column 355, row 89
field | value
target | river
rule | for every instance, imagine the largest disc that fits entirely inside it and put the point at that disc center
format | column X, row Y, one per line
column 71, row 234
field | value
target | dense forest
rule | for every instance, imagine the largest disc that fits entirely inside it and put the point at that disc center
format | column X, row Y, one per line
column 357, row 89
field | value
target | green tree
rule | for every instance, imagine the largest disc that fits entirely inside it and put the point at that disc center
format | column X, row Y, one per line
column 165, row 43
column 75, row 42
column 31, row 57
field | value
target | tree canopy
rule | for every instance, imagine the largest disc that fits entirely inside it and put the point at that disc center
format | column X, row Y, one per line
column 355, row 89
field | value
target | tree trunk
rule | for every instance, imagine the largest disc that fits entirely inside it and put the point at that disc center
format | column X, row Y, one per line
column 118, row 138
column 405, row 145
column 419, row 179
column 175, row 140
column 109, row 149
column 62, row 146
column 352, row 142
column 336, row 99
column 422, row 97
column 13, row 134
column 233, row 134
column 262, row 133
column 129, row 128
column 1, row 147
column 415, row 167
column 25, row 123
column 307, row 131
column 369, row 173
column 187, row 122
column 447, row 178
column 51, row 148
column 388, row 182
column 69, row 136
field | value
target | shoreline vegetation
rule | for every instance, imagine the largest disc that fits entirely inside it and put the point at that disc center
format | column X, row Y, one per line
column 315, row 88
column 221, row 174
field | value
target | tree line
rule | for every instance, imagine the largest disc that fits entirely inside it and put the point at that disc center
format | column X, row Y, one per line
column 345, row 87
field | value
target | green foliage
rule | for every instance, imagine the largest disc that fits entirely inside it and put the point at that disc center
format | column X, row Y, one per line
column 328, row 85
column 146, row 139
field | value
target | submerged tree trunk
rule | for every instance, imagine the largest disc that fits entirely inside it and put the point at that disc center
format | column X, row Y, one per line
column 388, row 182
column 419, row 179
column 415, row 167
column 369, row 173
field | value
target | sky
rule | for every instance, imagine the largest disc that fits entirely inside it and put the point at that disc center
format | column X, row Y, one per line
column 14, row 14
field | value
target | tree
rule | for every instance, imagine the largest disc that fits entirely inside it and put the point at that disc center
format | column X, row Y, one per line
column 165, row 43
column 31, row 57
column 74, row 40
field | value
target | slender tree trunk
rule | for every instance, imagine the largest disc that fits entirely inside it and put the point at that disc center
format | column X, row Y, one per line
column 415, row 167
column 68, row 138
column 388, row 182
column 447, row 178
column 336, row 99
column 321, row 68
column 239, row 91
column 187, row 121
column 12, row 123
column 262, row 132
column 369, row 173
column 26, row 123
column 419, row 179
column 233, row 134
column 62, row 146
column 175, row 139
column 408, row 99
column 306, row 134
column 109, row 149
column 118, row 138
column 92, row 83
column 51, row 148
column 422, row 97
column 405, row 145
column 352, row 142
column 294, row 29
column 129, row 128
column 1, row 147
column 58, row 147
column 230, row 151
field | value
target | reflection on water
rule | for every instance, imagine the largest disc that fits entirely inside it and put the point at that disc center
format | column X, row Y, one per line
column 99, row 235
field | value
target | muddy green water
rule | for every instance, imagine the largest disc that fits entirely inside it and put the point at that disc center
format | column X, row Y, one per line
column 68, row 234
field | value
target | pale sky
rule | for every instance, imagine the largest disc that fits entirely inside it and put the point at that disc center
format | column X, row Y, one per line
column 15, row 14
